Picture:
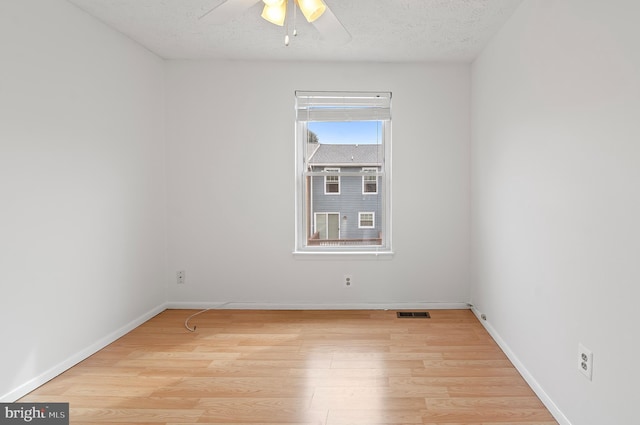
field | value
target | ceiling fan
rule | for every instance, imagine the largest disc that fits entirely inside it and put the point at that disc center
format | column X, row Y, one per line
column 283, row 13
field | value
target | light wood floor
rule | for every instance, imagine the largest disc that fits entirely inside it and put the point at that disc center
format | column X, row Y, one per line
column 299, row 367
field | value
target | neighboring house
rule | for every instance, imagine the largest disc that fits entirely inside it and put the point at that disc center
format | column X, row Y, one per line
column 345, row 208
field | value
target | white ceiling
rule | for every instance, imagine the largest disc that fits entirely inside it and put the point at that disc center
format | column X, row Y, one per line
column 381, row 30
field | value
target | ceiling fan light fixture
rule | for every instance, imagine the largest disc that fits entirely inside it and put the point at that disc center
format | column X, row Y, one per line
column 275, row 14
column 271, row 3
column 312, row 9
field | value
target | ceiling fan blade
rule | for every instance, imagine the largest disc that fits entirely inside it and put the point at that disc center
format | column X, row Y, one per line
column 331, row 28
column 227, row 11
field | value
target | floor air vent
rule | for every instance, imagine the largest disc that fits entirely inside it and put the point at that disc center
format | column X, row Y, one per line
column 414, row 314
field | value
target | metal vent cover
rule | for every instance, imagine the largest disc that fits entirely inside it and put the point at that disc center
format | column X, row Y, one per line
column 413, row 314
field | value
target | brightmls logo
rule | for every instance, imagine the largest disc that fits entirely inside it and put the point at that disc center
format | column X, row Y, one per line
column 35, row 413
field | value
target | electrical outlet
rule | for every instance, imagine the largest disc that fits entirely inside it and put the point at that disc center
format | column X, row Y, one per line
column 585, row 361
column 180, row 277
column 348, row 280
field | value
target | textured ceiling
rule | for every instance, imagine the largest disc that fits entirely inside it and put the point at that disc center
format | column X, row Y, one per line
column 381, row 30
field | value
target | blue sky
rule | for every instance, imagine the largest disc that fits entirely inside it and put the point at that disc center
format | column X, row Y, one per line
column 347, row 133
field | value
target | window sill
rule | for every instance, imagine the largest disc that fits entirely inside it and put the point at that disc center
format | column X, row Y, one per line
column 343, row 255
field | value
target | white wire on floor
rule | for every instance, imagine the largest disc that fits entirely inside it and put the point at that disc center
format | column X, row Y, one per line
column 186, row 322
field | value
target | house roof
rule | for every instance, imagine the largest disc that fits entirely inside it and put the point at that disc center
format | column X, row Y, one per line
column 345, row 155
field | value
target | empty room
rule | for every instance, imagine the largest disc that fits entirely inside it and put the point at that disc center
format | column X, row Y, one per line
column 320, row 212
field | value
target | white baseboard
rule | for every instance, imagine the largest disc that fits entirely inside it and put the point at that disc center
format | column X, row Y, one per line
column 304, row 306
column 46, row 376
column 533, row 383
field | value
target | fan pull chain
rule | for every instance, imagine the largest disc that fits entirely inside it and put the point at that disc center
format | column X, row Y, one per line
column 286, row 26
column 295, row 19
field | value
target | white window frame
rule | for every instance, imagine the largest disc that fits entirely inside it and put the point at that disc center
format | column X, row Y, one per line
column 333, row 107
column 365, row 181
column 373, row 220
column 331, row 170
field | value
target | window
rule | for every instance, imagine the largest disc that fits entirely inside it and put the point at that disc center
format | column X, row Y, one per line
column 369, row 182
column 343, row 172
column 327, row 226
column 332, row 182
column 366, row 220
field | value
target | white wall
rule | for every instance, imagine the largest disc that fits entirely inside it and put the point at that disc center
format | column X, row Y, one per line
column 82, row 221
column 231, row 186
column 556, row 199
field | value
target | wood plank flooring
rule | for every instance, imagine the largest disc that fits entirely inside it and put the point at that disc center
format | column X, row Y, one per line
column 299, row 367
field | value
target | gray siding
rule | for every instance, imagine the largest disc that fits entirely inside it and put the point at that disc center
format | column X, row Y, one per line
column 349, row 203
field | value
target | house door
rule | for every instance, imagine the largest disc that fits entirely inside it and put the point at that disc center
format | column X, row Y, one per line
column 328, row 225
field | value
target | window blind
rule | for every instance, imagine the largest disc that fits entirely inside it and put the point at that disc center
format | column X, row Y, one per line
column 343, row 106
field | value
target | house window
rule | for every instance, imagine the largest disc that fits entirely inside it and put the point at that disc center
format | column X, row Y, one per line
column 327, row 226
column 343, row 172
column 366, row 220
column 332, row 182
column 369, row 181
